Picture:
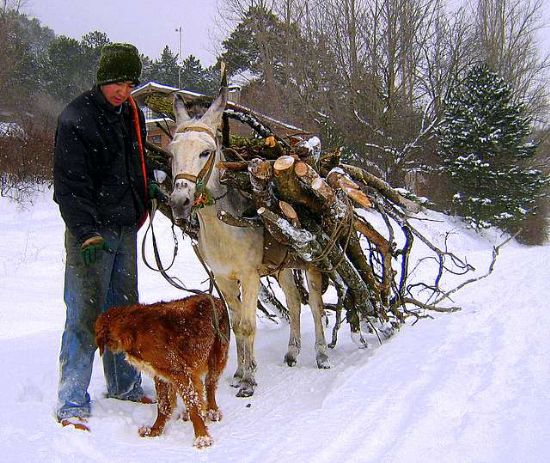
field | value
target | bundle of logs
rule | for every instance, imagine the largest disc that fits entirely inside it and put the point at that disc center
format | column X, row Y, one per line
column 318, row 207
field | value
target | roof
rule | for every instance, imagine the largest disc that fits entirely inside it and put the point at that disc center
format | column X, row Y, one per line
column 149, row 88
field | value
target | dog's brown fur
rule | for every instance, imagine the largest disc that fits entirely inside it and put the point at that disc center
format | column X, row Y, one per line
column 179, row 343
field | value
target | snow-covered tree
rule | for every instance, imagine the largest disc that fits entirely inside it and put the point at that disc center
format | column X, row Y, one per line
column 485, row 150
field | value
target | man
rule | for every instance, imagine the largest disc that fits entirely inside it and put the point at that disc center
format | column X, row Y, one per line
column 100, row 185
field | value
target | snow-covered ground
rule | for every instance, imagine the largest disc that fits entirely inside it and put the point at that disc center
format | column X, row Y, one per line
column 473, row 386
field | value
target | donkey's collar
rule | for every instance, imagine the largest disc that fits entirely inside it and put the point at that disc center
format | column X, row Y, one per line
column 197, row 128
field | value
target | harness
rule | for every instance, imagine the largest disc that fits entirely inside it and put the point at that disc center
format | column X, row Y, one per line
column 203, row 197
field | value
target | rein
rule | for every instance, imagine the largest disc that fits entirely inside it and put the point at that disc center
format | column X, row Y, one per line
column 176, row 282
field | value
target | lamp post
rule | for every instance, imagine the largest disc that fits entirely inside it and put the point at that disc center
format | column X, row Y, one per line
column 179, row 56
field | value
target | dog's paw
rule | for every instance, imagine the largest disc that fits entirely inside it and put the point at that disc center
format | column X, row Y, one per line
column 214, row 415
column 203, row 441
column 148, row 431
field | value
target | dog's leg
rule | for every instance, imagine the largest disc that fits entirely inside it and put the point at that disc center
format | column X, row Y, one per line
column 292, row 296
column 315, row 284
column 191, row 390
column 166, row 401
column 216, row 364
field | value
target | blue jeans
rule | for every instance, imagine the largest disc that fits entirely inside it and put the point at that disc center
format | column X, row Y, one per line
column 89, row 291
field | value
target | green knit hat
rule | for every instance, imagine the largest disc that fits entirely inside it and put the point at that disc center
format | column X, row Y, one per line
column 118, row 62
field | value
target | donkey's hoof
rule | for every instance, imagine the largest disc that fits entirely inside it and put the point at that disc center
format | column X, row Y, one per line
column 323, row 362
column 246, row 390
column 290, row 360
column 237, row 378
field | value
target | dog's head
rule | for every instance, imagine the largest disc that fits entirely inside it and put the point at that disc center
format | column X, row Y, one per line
column 105, row 336
column 112, row 330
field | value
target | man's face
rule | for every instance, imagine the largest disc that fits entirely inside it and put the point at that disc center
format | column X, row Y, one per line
column 117, row 92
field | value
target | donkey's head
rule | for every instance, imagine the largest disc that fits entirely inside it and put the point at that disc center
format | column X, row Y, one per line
column 193, row 151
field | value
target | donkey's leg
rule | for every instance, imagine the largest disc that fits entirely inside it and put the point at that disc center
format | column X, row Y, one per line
column 245, row 329
column 231, row 292
column 292, row 296
column 315, row 285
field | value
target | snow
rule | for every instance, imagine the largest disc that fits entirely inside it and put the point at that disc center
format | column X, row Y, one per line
column 11, row 129
column 473, row 386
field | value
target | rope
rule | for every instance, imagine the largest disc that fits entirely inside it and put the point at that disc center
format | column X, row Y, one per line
column 137, row 128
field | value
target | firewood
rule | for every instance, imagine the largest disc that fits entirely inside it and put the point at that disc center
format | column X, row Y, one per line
column 284, row 232
column 290, row 213
column 309, row 176
column 232, row 165
column 236, row 179
column 337, row 178
column 288, row 186
column 259, row 174
column 314, row 246
column 309, row 205
column 382, row 187
column 243, row 222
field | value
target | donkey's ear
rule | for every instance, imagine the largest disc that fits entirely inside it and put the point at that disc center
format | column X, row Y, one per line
column 179, row 110
column 213, row 116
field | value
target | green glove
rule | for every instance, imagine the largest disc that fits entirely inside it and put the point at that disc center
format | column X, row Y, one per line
column 91, row 249
column 155, row 192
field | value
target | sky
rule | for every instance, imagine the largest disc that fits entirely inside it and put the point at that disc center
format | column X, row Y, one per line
column 149, row 25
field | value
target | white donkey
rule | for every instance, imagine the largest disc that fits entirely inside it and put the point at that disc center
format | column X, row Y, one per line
column 234, row 254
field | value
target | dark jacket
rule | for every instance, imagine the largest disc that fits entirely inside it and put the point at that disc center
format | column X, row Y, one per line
column 98, row 179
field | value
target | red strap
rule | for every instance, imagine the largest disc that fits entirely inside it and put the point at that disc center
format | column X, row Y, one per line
column 135, row 117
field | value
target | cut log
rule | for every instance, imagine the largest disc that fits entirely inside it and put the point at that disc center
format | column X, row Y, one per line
column 284, row 232
column 320, row 188
column 260, row 173
column 290, row 213
column 232, row 165
column 288, row 186
column 243, row 222
column 337, row 178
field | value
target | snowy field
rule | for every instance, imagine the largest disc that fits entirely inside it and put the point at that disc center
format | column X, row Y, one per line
column 473, row 386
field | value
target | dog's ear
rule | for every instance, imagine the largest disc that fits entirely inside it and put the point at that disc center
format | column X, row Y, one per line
column 101, row 334
column 101, row 346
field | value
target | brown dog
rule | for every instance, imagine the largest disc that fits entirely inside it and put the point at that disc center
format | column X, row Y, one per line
column 179, row 343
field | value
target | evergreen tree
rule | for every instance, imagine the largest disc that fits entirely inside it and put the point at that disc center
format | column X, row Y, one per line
column 256, row 44
column 164, row 70
column 91, row 44
column 66, row 70
column 484, row 147
column 198, row 79
column 23, row 42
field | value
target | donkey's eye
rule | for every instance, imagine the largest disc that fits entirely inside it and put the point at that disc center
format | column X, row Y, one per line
column 205, row 154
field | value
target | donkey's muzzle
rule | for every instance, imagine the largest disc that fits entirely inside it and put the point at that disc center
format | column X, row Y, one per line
column 180, row 203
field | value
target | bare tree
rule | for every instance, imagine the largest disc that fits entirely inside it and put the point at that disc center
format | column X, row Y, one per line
column 505, row 38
